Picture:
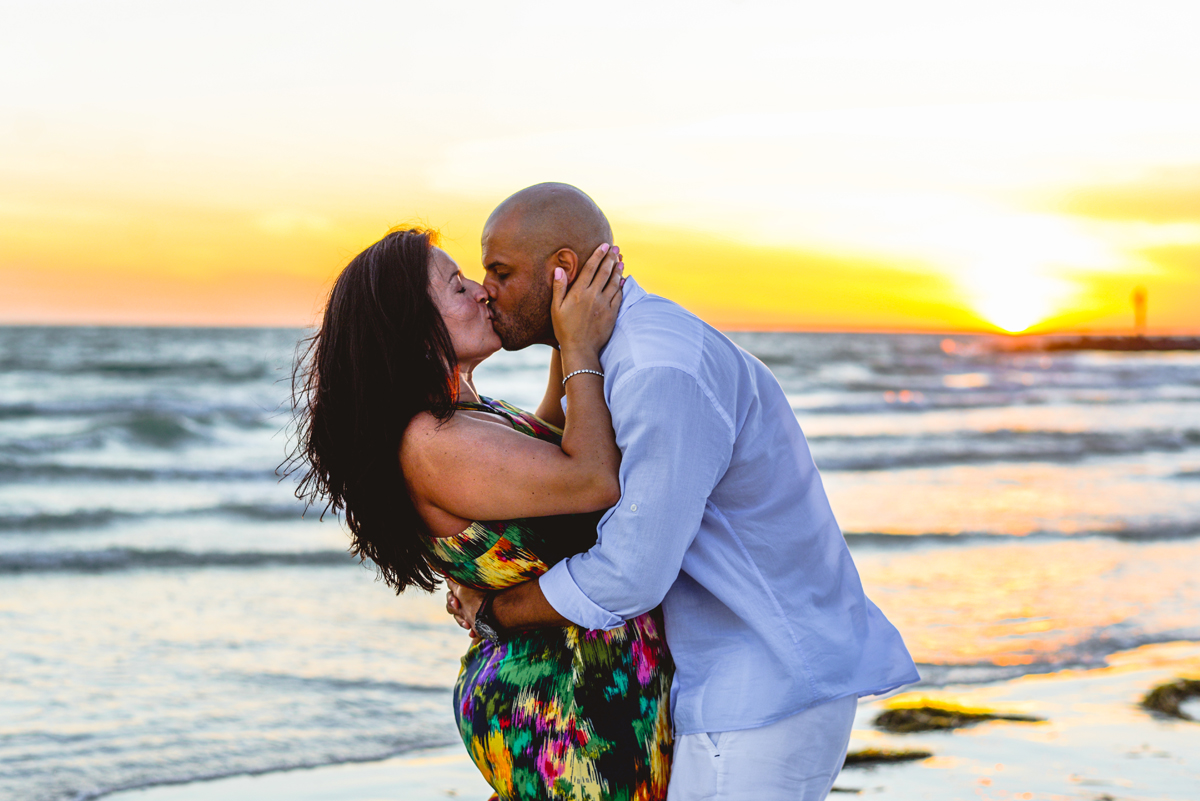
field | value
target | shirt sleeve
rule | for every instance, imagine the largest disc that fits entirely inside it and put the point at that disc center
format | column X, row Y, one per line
column 675, row 445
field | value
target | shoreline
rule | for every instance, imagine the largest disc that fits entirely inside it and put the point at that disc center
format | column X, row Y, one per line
column 1095, row 743
column 430, row 773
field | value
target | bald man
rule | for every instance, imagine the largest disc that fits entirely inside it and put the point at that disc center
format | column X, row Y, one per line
column 722, row 520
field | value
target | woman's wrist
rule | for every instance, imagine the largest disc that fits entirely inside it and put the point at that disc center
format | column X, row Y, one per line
column 579, row 358
column 584, row 371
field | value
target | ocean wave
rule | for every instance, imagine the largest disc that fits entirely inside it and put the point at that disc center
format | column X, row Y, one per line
column 16, row 411
column 208, row 370
column 51, row 521
column 897, row 399
column 111, row 560
column 158, row 430
column 262, row 511
column 885, row 452
column 206, row 410
column 1088, row 654
column 211, row 371
column 31, row 470
column 1153, row 533
column 140, row 428
column 377, row 756
column 350, row 684
column 39, row 522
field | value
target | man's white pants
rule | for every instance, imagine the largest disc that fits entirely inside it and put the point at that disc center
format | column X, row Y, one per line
column 794, row 759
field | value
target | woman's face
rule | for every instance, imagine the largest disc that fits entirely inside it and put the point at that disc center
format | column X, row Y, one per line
column 463, row 306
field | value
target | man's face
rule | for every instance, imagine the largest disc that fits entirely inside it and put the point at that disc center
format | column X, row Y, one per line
column 520, row 289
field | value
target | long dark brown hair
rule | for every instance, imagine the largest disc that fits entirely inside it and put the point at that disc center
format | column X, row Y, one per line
column 381, row 356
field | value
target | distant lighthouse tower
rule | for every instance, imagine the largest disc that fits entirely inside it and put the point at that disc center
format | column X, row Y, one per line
column 1139, row 311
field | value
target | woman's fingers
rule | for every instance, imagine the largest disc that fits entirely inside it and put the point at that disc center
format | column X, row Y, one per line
column 612, row 290
column 454, row 606
column 608, row 266
column 599, row 266
column 558, row 288
column 591, row 267
column 614, row 281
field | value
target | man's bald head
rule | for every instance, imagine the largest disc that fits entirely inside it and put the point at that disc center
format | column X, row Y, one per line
column 527, row 237
column 545, row 218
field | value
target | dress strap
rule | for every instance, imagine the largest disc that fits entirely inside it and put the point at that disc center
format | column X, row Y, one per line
column 520, row 420
column 486, row 406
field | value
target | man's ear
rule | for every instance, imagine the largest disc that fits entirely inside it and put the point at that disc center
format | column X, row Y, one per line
column 568, row 260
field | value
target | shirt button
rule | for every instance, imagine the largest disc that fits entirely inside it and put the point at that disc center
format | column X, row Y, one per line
column 633, row 507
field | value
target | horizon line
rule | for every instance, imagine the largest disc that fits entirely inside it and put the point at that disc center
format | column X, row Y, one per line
column 1066, row 332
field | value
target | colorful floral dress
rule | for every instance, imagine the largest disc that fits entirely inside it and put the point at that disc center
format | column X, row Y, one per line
column 557, row 713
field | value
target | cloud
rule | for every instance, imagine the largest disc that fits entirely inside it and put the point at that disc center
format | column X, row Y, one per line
column 1164, row 195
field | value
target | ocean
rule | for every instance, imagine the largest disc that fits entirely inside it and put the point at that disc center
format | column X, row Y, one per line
column 167, row 613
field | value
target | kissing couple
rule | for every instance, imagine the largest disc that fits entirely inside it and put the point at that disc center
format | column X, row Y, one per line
column 661, row 602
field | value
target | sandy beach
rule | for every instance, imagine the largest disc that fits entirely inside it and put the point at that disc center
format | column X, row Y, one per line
column 436, row 773
column 1096, row 742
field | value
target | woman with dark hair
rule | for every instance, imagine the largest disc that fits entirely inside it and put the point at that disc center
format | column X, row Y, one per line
column 435, row 480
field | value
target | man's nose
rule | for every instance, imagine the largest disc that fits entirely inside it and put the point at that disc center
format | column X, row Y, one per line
column 489, row 287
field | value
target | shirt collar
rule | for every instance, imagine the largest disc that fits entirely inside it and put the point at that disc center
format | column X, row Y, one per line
column 631, row 293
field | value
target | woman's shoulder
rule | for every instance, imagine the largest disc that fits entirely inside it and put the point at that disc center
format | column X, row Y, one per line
column 426, row 428
column 468, row 421
column 424, row 423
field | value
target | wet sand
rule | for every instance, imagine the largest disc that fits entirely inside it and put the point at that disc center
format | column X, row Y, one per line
column 438, row 773
column 1096, row 743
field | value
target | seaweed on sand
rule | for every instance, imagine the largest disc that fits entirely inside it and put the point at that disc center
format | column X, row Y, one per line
column 1166, row 698
column 870, row 757
column 935, row 718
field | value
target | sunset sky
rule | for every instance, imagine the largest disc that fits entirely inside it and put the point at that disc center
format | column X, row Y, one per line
column 938, row 166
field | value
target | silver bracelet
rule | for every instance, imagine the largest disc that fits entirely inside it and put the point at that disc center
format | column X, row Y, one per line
column 577, row 372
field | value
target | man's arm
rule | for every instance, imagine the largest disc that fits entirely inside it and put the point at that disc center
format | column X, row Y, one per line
column 676, row 444
column 550, row 408
column 522, row 606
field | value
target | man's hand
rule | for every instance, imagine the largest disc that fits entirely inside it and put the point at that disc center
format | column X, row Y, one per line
column 518, row 608
column 463, row 602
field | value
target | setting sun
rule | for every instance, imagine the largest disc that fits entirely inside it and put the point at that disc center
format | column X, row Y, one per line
column 1016, row 302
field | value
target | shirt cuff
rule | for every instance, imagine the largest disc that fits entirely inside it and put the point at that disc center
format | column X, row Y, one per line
column 569, row 601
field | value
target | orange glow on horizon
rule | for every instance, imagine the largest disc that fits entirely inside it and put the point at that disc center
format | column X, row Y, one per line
column 137, row 264
column 783, row 167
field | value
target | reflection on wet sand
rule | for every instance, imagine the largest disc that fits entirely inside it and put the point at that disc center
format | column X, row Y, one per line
column 1050, row 601
column 1096, row 740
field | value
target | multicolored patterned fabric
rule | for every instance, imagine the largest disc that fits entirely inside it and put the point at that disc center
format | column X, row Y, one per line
column 559, row 713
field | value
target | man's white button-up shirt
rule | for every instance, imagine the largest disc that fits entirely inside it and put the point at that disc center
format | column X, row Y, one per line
column 724, row 521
